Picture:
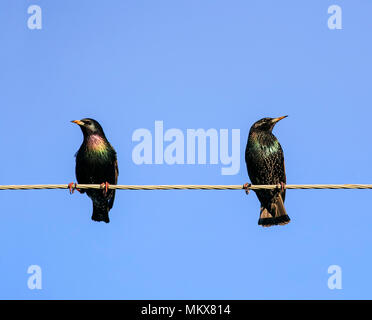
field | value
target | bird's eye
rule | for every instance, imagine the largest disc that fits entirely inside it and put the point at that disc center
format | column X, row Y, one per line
column 88, row 123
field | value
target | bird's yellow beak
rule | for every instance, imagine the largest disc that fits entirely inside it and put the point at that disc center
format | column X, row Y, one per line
column 278, row 119
column 78, row 122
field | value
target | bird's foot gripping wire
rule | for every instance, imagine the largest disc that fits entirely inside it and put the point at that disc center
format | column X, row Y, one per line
column 105, row 187
column 72, row 187
column 246, row 187
column 282, row 186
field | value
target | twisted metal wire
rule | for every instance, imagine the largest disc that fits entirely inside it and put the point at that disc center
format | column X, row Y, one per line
column 186, row 187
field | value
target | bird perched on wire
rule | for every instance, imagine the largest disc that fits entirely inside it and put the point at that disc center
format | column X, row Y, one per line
column 96, row 163
column 265, row 164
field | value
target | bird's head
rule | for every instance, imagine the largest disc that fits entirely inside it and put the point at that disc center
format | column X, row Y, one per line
column 266, row 124
column 89, row 127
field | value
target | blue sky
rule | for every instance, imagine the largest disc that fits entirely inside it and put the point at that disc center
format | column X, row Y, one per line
column 191, row 64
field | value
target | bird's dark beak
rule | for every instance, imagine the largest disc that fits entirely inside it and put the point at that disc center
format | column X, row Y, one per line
column 278, row 119
column 78, row 122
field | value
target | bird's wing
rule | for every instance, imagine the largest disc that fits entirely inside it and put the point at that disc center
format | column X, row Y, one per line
column 283, row 177
column 80, row 169
column 116, row 171
column 112, row 198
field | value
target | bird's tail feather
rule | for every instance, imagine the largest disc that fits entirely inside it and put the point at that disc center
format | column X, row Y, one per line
column 276, row 216
column 100, row 213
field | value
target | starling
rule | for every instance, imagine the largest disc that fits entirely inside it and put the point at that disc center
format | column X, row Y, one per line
column 265, row 164
column 96, row 163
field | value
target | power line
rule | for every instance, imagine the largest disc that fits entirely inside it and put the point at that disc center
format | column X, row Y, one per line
column 186, row 187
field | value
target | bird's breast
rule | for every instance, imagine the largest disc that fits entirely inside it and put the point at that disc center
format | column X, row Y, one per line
column 96, row 143
column 270, row 149
column 263, row 146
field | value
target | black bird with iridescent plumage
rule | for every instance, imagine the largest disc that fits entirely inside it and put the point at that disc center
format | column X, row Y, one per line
column 265, row 164
column 96, row 163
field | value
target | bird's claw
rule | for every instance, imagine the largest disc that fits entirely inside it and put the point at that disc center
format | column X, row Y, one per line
column 105, row 187
column 72, row 187
column 246, row 187
column 282, row 186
